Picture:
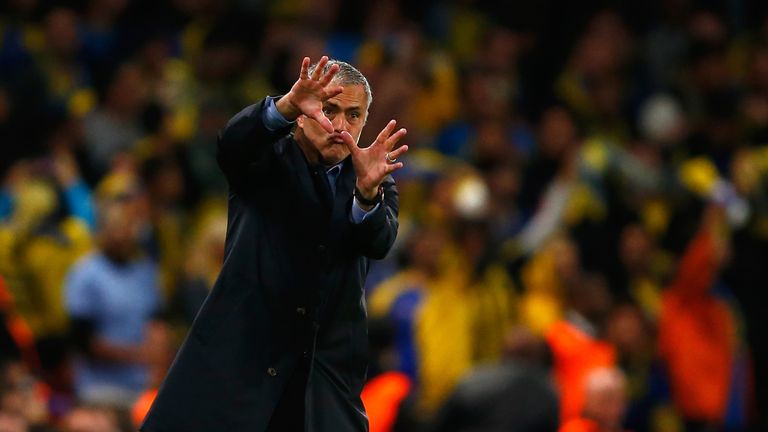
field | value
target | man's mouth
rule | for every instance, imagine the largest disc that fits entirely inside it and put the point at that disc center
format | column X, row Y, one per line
column 336, row 138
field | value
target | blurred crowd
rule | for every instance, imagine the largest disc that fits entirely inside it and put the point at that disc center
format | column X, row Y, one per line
column 584, row 209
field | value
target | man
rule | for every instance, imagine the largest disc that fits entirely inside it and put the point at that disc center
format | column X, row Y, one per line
column 605, row 403
column 513, row 395
column 280, row 343
column 578, row 340
column 113, row 297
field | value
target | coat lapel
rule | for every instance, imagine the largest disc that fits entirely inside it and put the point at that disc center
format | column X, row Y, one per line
column 322, row 186
column 344, row 187
column 312, row 181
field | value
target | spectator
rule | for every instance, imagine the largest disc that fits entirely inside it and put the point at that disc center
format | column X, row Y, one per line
column 114, row 127
column 577, row 342
column 605, row 403
column 23, row 398
column 94, row 418
column 47, row 230
column 515, row 394
column 648, row 405
column 692, row 302
column 205, row 256
column 114, row 298
column 387, row 387
column 599, row 132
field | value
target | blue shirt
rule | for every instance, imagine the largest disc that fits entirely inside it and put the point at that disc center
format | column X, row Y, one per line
column 273, row 121
column 120, row 300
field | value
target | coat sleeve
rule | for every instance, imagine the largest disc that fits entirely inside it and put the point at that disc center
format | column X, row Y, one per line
column 376, row 234
column 245, row 141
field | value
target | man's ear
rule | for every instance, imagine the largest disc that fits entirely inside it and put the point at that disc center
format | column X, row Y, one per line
column 300, row 120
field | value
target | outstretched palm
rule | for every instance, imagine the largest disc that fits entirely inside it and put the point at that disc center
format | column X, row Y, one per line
column 375, row 162
column 307, row 97
column 309, row 92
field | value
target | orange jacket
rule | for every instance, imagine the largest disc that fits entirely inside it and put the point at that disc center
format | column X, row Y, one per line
column 579, row 424
column 697, row 335
column 142, row 405
column 576, row 354
column 382, row 396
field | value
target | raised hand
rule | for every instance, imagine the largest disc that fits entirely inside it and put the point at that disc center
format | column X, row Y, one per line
column 376, row 161
column 309, row 92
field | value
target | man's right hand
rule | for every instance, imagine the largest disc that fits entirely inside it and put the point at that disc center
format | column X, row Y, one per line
column 309, row 92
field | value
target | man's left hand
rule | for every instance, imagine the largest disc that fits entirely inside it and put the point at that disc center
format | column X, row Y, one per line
column 374, row 163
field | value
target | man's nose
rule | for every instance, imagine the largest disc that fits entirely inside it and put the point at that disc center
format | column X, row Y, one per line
column 339, row 123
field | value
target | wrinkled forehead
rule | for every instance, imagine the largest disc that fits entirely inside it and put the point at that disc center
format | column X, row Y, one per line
column 353, row 97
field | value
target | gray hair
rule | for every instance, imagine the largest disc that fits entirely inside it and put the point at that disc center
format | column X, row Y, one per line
column 347, row 75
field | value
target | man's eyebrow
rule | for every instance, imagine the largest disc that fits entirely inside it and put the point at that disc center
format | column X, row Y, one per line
column 330, row 104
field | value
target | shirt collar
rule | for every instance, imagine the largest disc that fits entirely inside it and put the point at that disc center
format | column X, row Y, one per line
column 334, row 170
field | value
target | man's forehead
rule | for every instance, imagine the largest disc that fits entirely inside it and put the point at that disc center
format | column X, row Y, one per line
column 353, row 95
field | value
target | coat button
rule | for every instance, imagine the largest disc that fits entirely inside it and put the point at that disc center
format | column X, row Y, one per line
column 321, row 249
column 301, row 311
column 271, row 371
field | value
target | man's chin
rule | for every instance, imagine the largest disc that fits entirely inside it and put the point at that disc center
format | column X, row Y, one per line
column 334, row 157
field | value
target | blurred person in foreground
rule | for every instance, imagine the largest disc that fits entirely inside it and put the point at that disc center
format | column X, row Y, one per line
column 23, row 398
column 113, row 298
column 514, row 395
column 605, row 403
column 94, row 418
column 578, row 340
column 280, row 343
column 387, row 387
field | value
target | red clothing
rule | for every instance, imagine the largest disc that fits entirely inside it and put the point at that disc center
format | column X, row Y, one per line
column 142, row 405
column 576, row 354
column 697, row 335
column 18, row 329
column 579, row 424
column 382, row 396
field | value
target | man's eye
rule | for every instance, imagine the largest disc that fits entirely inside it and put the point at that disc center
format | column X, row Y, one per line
column 355, row 115
column 327, row 111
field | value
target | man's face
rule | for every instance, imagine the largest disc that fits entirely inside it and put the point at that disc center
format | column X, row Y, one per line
column 348, row 112
column 121, row 226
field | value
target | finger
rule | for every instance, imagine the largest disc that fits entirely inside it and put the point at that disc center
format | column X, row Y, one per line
column 391, row 141
column 384, row 134
column 319, row 68
column 393, row 167
column 394, row 154
column 329, row 76
column 325, row 123
column 350, row 142
column 304, row 69
column 333, row 92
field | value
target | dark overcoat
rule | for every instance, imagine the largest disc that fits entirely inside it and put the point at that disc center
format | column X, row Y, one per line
column 290, row 290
